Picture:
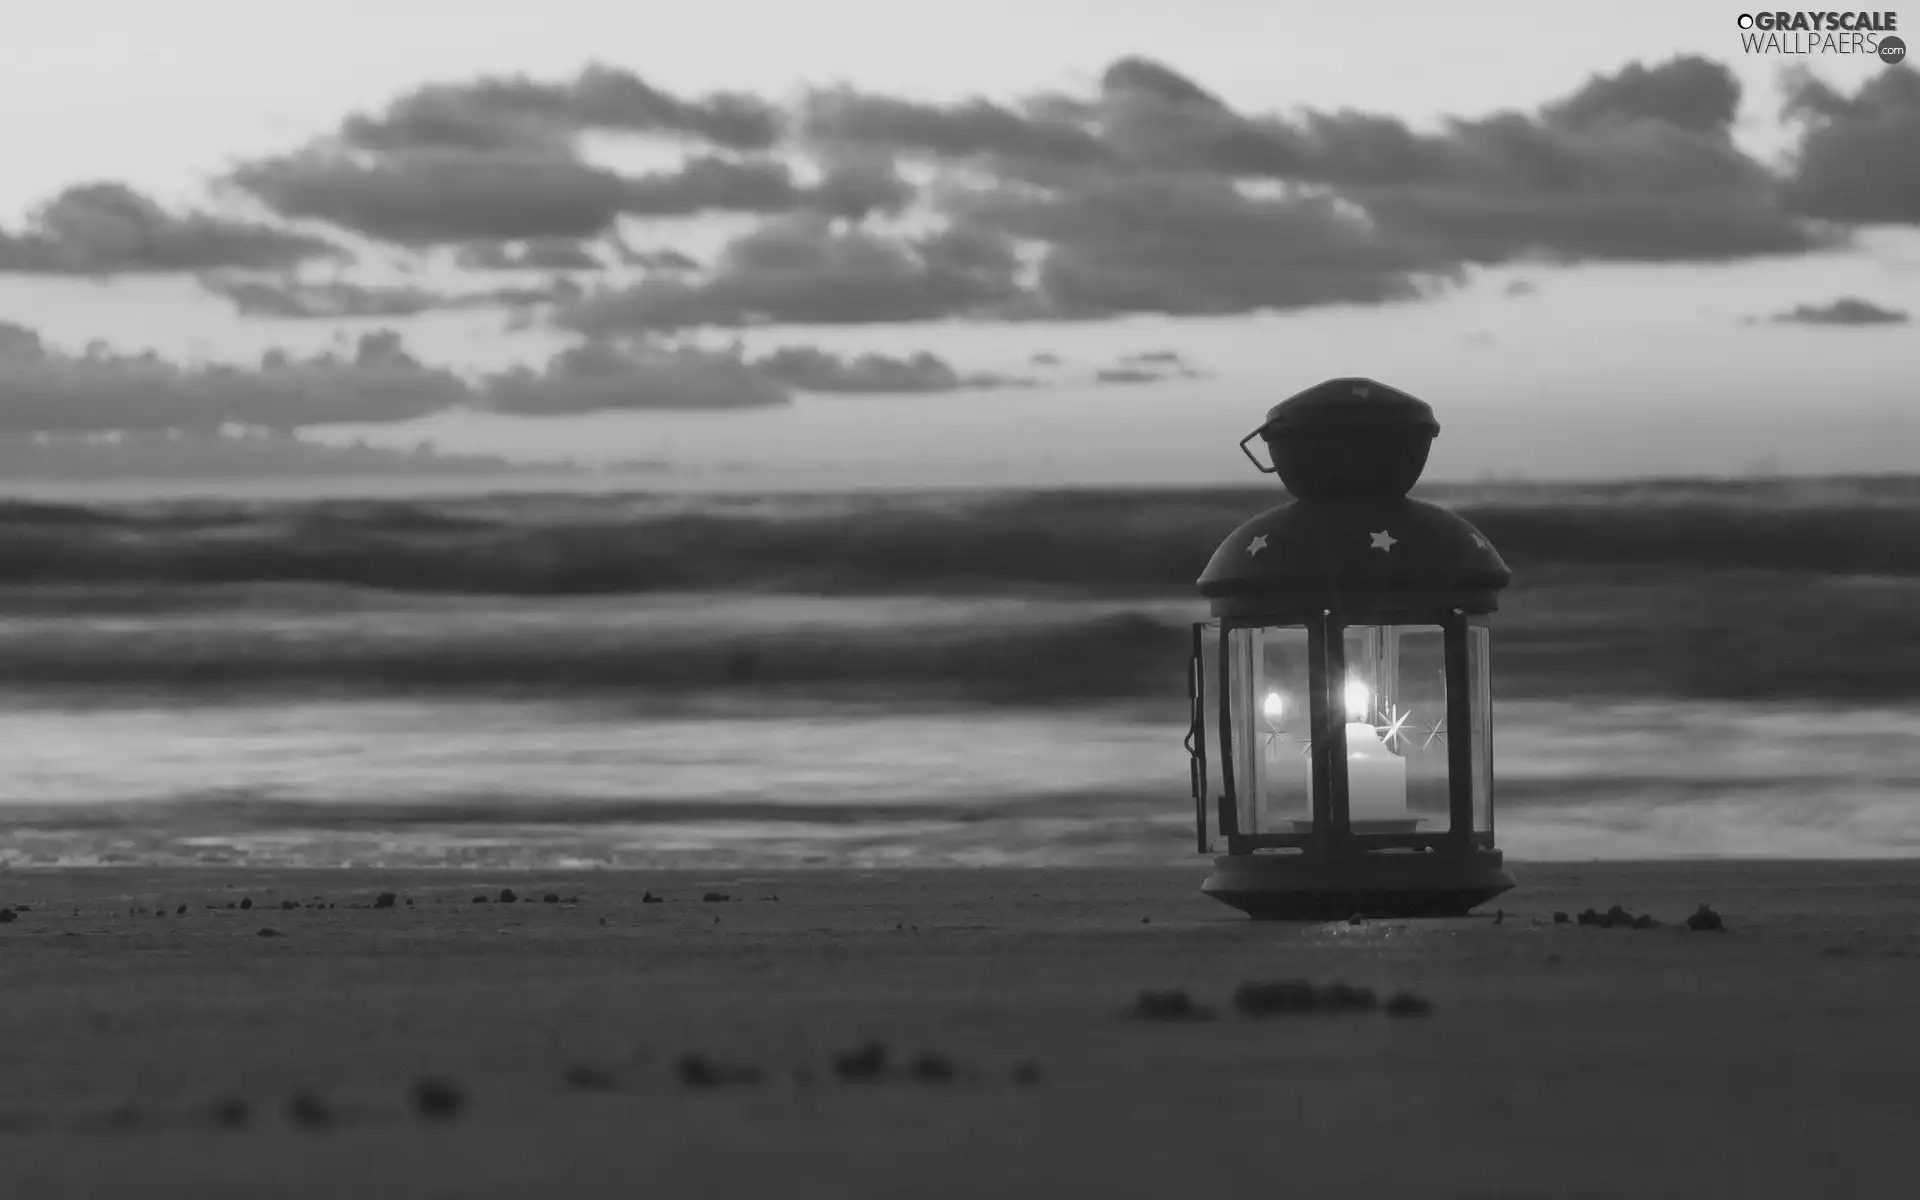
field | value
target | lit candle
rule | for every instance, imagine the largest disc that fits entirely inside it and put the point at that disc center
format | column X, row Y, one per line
column 1376, row 777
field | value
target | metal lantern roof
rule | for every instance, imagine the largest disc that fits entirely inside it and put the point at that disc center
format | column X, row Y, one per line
column 1352, row 541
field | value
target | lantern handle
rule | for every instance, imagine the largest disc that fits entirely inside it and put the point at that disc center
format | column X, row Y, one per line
column 1263, row 468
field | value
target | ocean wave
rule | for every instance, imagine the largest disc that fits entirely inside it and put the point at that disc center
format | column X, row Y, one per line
column 1153, row 540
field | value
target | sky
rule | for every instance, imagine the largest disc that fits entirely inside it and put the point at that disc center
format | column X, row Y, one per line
column 858, row 242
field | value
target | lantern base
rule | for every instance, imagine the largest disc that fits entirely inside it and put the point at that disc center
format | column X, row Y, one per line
column 1296, row 887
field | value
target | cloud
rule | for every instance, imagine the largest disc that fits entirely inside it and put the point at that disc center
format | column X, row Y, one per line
column 1147, row 193
column 665, row 259
column 602, row 375
column 1856, row 159
column 53, row 392
column 1847, row 310
column 1149, row 366
column 537, row 254
column 100, row 390
column 807, row 270
column 423, row 196
column 543, row 193
column 107, row 229
column 287, row 298
column 977, row 130
column 1520, row 287
column 808, row 369
column 513, row 112
column 1197, row 245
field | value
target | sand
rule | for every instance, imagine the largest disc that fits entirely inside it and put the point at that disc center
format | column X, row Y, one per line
column 1779, row 1058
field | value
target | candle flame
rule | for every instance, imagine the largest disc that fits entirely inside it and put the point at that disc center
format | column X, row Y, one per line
column 1358, row 700
column 1272, row 706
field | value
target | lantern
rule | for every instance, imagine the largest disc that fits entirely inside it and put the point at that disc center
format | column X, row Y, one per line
column 1341, row 694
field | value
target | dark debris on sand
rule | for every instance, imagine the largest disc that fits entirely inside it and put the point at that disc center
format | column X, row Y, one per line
column 1169, row 1006
column 437, row 1099
column 1293, row 996
column 8, row 916
column 266, row 931
column 585, row 1077
column 550, row 898
column 385, row 900
column 716, row 898
column 650, row 898
column 1705, row 920
column 230, row 1112
column 1026, row 1073
column 1407, row 1004
column 931, row 1068
column 1617, row 917
column 864, row 1063
column 309, row 1111
column 507, row 896
column 697, row 1070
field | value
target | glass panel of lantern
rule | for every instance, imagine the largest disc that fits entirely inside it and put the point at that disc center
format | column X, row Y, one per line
column 1272, row 729
column 1395, row 696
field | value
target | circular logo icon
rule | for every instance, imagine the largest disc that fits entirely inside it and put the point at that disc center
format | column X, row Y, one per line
column 1892, row 50
column 1745, row 21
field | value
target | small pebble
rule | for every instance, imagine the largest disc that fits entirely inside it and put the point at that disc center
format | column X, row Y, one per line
column 1356, row 919
column 507, row 896
column 8, row 916
column 267, row 932
column 246, row 902
column 385, row 900
column 230, row 1112
column 716, row 897
column 1146, row 920
column 650, row 898
column 1560, row 918
column 1026, row 1073
column 437, row 1099
column 479, row 899
column 1406, row 1004
column 180, row 911
column 550, row 898
column 287, row 904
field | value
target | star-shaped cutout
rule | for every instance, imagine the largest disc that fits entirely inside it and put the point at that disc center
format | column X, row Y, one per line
column 1257, row 545
column 1382, row 541
column 1436, row 731
column 1390, row 731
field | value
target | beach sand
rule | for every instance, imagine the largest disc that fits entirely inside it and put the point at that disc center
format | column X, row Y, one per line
column 1777, row 1058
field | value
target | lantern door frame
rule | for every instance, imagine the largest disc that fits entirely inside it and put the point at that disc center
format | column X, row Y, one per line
column 1326, row 664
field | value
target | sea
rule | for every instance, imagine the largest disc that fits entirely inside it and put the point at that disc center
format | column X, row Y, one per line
column 561, row 681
